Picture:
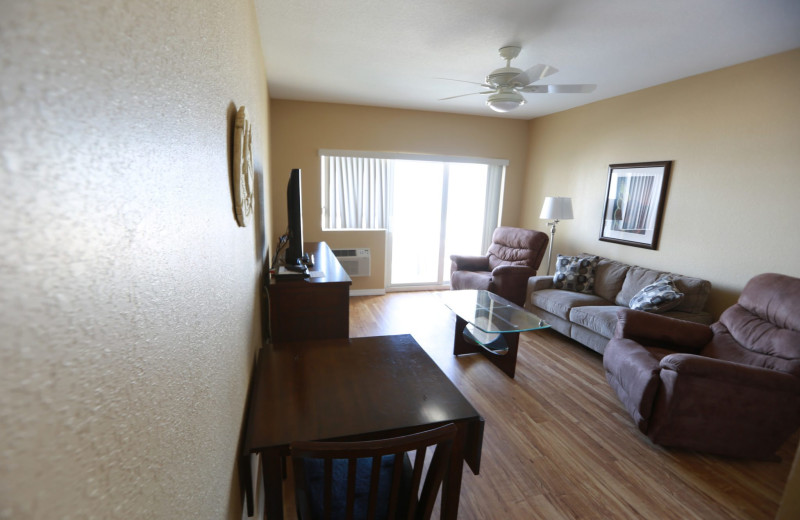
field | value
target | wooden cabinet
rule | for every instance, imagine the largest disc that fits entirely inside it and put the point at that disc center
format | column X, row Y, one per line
column 311, row 308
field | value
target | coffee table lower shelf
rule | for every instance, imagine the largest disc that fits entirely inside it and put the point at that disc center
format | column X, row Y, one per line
column 492, row 343
column 502, row 356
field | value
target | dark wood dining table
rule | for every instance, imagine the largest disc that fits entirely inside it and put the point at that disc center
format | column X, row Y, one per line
column 353, row 389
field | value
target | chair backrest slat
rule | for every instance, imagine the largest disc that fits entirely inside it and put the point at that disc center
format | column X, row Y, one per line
column 374, row 477
column 352, row 467
column 394, row 495
column 328, row 483
column 392, row 488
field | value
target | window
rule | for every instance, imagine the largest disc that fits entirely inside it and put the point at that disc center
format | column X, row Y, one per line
column 355, row 192
column 431, row 206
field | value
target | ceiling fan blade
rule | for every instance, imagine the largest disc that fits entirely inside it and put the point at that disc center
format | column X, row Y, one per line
column 534, row 73
column 466, row 81
column 535, row 89
column 570, row 89
column 470, row 94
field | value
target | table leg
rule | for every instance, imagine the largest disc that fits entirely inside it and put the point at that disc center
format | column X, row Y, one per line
column 508, row 361
column 246, row 481
column 273, row 486
column 451, row 487
column 460, row 345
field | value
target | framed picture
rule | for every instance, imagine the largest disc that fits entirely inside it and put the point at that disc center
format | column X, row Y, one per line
column 635, row 203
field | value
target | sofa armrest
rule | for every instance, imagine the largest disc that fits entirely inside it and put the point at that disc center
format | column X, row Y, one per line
column 511, row 282
column 660, row 331
column 633, row 373
column 737, row 374
column 515, row 271
column 539, row 283
column 469, row 263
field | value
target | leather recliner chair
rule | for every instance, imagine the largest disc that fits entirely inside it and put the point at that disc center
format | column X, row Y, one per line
column 732, row 388
column 513, row 257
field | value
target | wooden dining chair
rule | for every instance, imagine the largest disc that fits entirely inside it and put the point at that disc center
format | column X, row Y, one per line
column 368, row 480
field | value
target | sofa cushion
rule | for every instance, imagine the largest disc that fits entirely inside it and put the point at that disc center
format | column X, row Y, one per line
column 609, row 277
column 657, row 297
column 575, row 273
column 695, row 292
column 559, row 302
column 635, row 280
column 600, row 319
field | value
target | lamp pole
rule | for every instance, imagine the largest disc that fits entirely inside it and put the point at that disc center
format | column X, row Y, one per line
column 556, row 208
column 552, row 239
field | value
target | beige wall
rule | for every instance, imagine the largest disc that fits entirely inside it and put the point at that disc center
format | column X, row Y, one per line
column 300, row 129
column 130, row 304
column 732, row 204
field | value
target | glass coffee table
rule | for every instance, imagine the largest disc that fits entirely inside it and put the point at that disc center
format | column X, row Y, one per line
column 490, row 324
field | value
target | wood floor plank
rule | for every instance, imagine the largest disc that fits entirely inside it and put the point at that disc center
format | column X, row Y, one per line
column 558, row 444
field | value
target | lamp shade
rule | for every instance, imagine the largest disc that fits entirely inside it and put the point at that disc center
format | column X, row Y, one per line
column 557, row 208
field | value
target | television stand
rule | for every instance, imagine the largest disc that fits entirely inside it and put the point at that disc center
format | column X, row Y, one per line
column 316, row 307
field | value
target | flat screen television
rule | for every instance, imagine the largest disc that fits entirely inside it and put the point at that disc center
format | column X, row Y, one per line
column 294, row 206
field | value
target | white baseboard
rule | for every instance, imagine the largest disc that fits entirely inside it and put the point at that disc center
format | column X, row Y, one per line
column 368, row 292
column 413, row 288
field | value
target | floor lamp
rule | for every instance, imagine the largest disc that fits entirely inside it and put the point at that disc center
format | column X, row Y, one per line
column 555, row 209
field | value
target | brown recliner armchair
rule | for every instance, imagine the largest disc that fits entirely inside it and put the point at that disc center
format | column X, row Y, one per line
column 732, row 388
column 513, row 257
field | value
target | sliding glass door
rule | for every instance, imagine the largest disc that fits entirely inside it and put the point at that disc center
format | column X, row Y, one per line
column 415, row 222
column 438, row 209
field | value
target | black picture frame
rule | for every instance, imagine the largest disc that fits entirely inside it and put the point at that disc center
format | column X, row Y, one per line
column 634, row 204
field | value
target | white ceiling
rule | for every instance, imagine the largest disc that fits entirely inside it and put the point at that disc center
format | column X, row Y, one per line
column 391, row 52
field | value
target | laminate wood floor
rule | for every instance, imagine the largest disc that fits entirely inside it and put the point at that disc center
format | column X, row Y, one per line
column 558, row 444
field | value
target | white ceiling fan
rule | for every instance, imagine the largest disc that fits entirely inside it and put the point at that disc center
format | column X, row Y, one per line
column 506, row 83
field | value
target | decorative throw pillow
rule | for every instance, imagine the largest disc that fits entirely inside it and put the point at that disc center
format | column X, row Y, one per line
column 659, row 296
column 575, row 273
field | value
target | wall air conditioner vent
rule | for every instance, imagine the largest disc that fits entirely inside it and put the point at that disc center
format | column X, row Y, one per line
column 355, row 262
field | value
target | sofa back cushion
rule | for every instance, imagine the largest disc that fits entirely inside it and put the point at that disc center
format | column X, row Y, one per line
column 517, row 246
column 609, row 277
column 741, row 337
column 636, row 279
column 775, row 298
column 763, row 328
column 695, row 291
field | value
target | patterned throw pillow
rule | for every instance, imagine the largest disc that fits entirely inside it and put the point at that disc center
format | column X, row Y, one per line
column 659, row 296
column 575, row 273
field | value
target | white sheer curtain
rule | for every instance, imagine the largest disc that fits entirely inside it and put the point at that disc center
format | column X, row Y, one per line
column 356, row 192
column 494, row 202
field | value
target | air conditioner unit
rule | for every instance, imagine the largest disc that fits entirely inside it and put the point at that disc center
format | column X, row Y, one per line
column 354, row 261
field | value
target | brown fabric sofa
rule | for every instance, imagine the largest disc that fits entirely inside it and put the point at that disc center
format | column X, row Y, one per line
column 513, row 257
column 591, row 318
column 730, row 389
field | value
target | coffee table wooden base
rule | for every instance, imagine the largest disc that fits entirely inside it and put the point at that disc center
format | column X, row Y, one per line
column 507, row 361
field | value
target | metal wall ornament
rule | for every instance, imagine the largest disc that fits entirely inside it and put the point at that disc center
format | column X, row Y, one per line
column 243, row 188
column 634, row 206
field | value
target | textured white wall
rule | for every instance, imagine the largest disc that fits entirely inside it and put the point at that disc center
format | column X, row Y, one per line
column 129, row 303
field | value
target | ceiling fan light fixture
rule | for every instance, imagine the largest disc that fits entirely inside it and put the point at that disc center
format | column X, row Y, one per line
column 505, row 101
